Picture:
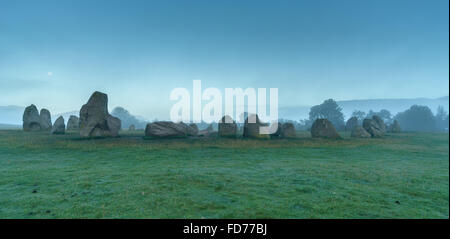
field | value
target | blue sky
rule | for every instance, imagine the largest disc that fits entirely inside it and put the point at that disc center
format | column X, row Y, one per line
column 138, row 51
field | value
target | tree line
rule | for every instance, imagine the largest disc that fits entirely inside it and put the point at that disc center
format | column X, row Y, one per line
column 416, row 118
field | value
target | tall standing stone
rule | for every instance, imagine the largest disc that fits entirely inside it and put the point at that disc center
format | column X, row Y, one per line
column 323, row 128
column 227, row 127
column 73, row 124
column 59, row 127
column 95, row 120
column 46, row 120
column 351, row 123
column 31, row 119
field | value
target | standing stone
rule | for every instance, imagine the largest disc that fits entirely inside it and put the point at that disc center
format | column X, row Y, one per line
column 95, row 120
column 132, row 128
column 73, row 124
column 380, row 123
column 373, row 128
column 193, row 131
column 59, row 127
column 251, row 127
column 395, row 127
column 359, row 132
column 165, row 129
column 288, row 130
column 351, row 124
column 31, row 119
column 227, row 127
column 323, row 128
column 46, row 120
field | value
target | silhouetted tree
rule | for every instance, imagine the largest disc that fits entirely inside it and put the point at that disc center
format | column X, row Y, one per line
column 329, row 110
column 360, row 115
column 127, row 119
column 385, row 115
column 441, row 119
column 417, row 118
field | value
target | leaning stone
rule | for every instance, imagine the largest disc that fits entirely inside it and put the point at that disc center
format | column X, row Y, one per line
column 95, row 120
column 323, row 128
column 380, row 123
column 373, row 128
column 359, row 132
column 59, row 127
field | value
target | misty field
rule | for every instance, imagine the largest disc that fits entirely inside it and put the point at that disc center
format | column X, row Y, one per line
column 47, row 176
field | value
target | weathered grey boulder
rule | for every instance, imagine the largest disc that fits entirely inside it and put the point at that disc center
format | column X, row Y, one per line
column 166, row 129
column 288, row 130
column 380, row 123
column 45, row 120
column 188, row 129
column 395, row 127
column 59, row 127
column 31, row 119
column 193, row 130
column 351, row 124
column 132, row 128
column 73, row 124
column 227, row 127
column 95, row 120
column 252, row 127
column 373, row 128
column 359, row 132
column 323, row 128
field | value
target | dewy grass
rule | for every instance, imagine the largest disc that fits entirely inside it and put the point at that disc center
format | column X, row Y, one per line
column 399, row 176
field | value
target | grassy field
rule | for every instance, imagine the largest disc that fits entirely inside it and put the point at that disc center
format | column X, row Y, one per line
column 399, row 176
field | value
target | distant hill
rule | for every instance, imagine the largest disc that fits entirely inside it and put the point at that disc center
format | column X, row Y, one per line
column 348, row 106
